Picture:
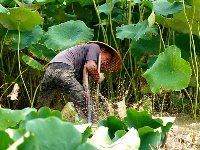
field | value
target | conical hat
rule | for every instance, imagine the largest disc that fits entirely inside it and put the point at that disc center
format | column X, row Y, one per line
column 116, row 60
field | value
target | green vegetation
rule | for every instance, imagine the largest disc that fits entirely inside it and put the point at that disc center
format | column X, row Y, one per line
column 157, row 39
column 45, row 129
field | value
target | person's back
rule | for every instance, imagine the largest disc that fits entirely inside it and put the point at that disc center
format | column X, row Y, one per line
column 77, row 57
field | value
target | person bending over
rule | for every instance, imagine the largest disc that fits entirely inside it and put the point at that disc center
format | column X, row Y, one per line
column 65, row 73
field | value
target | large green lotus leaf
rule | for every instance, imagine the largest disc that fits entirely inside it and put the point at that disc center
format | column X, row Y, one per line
column 43, row 112
column 67, row 34
column 20, row 18
column 32, row 62
column 164, row 7
column 149, row 137
column 10, row 118
column 135, row 31
column 6, row 141
column 41, row 51
column 140, row 119
column 114, row 124
column 169, row 72
column 30, row 141
column 27, row 38
column 52, row 133
column 145, row 46
column 37, row 52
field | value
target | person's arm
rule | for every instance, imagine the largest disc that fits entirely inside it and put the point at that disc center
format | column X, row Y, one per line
column 91, row 65
column 92, row 70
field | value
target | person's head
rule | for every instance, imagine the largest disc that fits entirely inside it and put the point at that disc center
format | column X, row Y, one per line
column 105, row 56
column 110, row 59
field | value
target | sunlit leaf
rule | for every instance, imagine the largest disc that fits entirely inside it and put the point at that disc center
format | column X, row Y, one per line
column 100, row 138
column 130, row 140
column 32, row 62
column 68, row 34
column 118, row 135
column 3, row 9
column 9, row 118
column 20, row 18
column 149, row 137
column 43, row 112
column 114, row 124
column 169, row 72
column 86, row 134
column 151, row 19
column 140, row 119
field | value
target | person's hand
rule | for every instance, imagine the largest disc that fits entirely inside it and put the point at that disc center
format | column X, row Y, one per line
column 102, row 77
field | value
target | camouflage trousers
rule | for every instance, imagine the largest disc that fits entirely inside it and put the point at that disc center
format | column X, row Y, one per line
column 59, row 77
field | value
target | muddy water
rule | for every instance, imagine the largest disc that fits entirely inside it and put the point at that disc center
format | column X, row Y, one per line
column 184, row 134
column 187, row 123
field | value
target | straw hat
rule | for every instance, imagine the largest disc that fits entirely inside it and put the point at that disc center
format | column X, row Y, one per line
column 115, row 61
